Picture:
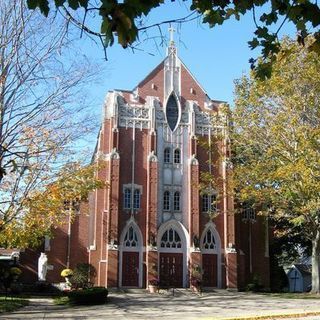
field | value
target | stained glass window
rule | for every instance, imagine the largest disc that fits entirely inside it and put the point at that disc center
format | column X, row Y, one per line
column 172, row 112
column 171, row 239
column 131, row 238
column 208, row 241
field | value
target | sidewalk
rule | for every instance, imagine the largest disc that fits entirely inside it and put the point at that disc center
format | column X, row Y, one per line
column 183, row 305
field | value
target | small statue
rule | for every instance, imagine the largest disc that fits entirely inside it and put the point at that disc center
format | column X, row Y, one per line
column 42, row 267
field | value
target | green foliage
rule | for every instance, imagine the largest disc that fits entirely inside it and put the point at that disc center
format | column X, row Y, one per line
column 82, row 274
column 8, row 275
column 277, row 141
column 255, row 285
column 95, row 295
column 121, row 18
column 11, row 304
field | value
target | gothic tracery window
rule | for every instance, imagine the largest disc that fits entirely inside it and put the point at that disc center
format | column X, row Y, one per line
column 209, row 241
column 131, row 238
column 171, row 239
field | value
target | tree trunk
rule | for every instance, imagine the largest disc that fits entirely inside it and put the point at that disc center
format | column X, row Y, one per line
column 315, row 263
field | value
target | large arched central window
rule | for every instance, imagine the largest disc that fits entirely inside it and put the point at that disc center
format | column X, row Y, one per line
column 172, row 112
column 171, row 239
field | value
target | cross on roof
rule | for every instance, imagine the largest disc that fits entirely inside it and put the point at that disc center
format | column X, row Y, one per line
column 171, row 31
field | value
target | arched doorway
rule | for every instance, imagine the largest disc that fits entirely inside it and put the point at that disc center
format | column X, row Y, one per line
column 172, row 244
column 211, row 256
column 131, row 256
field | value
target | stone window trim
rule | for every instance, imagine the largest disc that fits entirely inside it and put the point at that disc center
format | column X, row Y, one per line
column 131, row 196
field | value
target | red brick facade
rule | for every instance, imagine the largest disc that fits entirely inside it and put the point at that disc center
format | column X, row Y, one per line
column 151, row 214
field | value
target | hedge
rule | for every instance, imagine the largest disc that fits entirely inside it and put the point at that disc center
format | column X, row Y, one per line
column 94, row 295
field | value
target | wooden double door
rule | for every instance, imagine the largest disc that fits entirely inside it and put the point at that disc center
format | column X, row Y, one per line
column 209, row 267
column 130, row 269
column 171, row 270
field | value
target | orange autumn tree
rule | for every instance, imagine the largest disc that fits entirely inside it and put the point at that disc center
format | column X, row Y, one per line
column 276, row 145
column 49, row 207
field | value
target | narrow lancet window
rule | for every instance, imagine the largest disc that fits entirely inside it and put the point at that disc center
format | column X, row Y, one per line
column 172, row 112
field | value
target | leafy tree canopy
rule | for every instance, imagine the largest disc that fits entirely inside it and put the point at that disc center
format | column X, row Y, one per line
column 122, row 18
column 50, row 207
column 277, row 145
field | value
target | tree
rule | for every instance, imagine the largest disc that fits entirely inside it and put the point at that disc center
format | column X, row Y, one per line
column 41, row 105
column 277, row 145
column 47, row 208
column 123, row 19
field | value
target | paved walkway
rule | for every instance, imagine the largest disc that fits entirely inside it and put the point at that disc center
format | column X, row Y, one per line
column 183, row 305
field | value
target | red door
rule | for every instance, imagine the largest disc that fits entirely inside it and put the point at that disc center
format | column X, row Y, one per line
column 209, row 267
column 171, row 270
column 130, row 269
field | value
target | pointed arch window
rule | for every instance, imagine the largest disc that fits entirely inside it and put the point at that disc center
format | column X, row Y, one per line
column 176, row 201
column 172, row 111
column 127, row 198
column 171, row 239
column 209, row 242
column 166, row 201
column 177, row 157
column 131, row 238
column 166, row 155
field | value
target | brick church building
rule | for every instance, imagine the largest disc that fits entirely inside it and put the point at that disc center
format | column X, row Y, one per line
column 156, row 211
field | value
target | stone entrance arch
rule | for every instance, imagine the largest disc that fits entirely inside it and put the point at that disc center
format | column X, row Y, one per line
column 131, row 255
column 210, row 245
column 172, row 246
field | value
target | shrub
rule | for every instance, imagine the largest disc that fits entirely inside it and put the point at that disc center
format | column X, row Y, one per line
column 81, row 275
column 255, row 284
column 94, row 295
column 15, row 271
column 66, row 273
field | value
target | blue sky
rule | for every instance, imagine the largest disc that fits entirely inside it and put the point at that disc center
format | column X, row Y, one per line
column 216, row 57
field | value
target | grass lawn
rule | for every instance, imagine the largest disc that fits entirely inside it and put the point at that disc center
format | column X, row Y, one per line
column 11, row 304
column 293, row 295
column 61, row 301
